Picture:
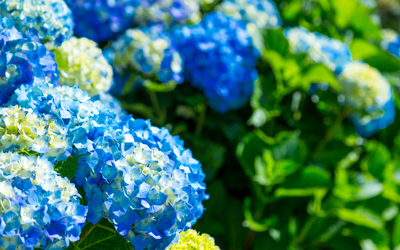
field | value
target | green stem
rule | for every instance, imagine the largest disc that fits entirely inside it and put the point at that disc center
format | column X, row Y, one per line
column 200, row 121
column 258, row 214
column 329, row 134
column 157, row 109
column 154, row 101
column 85, row 234
column 304, row 230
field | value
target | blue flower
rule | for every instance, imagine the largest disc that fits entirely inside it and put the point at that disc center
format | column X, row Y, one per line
column 263, row 13
column 40, row 208
column 138, row 176
column 110, row 102
column 219, row 59
column 320, row 49
column 169, row 13
column 369, row 97
column 148, row 53
column 50, row 19
column 391, row 42
column 23, row 60
column 102, row 20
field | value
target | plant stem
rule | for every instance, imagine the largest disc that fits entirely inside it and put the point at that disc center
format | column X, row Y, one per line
column 200, row 121
column 156, row 106
column 329, row 134
column 304, row 230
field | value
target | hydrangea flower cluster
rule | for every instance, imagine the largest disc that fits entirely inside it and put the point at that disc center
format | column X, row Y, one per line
column 138, row 176
column 168, row 12
column 22, row 129
column 148, row 52
column 102, row 20
column 369, row 95
column 219, row 59
column 110, row 102
column 81, row 62
column 262, row 13
column 366, row 92
column 321, row 49
column 39, row 207
column 23, row 60
column 51, row 19
column 391, row 42
column 193, row 241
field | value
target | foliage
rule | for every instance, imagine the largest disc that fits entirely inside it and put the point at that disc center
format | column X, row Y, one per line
column 304, row 157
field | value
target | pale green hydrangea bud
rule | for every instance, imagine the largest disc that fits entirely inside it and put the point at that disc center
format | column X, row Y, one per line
column 81, row 62
column 191, row 240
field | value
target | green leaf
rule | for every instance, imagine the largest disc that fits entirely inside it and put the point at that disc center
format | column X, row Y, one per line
column 396, row 232
column 362, row 49
column 122, row 244
column 67, row 167
column 257, row 226
column 297, row 192
column 344, row 11
column 361, row 217
column 275, row 40
column 319, row 73
column 160, row 87
column 290, row 147
column 378, row 157
column 72, row 246
column 308, row 177
column 104, row 236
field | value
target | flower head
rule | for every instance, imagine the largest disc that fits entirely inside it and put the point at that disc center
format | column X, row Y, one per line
column 369, row 95
column 320, row 49
column 137, row 176
column 219, row 59
column 391, row 42
column 51, row 19
column 102, row 20
column 23, row 130
column 263, row 13
column 23, row 60
column 111, row 103
column 39, row 208
column 168, row 12
column 191, row 240
column 81, row 62
column 149, row 53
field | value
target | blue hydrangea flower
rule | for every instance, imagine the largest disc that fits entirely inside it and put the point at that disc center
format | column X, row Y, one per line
column 39, row 208
column 51, row 19
column 110, row 102
column 391, row 42
column 320, row 49
column 137, row 176
column 219, row 59
column 147, row 52
column 170, row 12
column 81, row 62
column 263, row 13
column 369, row 97
column 23, row 60
column 102, row 20
column 23, row 130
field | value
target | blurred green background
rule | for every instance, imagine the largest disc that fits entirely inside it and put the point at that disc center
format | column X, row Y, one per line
column 288, row 171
